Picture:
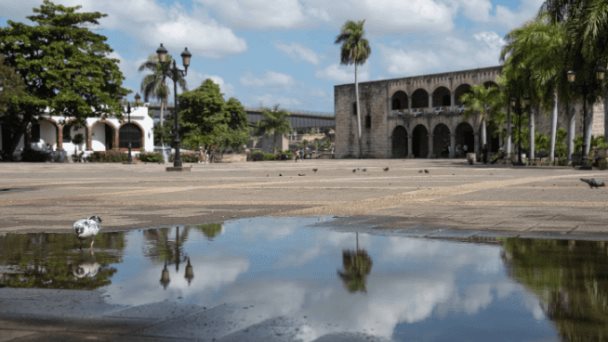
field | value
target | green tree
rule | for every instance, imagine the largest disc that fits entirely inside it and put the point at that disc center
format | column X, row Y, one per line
column 211, row 123
column 274, row 122
column 541, row 46
column 356, row 266
column 484, row 102
column 354, row 50
column 15, row 104
column 153, row 85
column 587, row 25
column 64, row 65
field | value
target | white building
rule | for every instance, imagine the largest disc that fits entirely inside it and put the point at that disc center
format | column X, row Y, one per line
column 99, row 134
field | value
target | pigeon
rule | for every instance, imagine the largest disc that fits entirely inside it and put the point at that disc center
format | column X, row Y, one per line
column 86, row 228
column 385, row 169
column 364, row 169
column 592, row 182
column 315, row 170
column 280, row 175
column 426, row 171
column 301, row 174
column 419, row 171
column 354, row 170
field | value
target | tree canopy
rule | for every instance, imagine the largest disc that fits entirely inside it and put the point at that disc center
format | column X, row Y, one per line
column 210, row 122
column 65, row 66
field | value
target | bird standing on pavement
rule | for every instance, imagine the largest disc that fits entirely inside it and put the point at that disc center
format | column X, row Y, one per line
column 86, row 228
column 386, row 169
column 593, row 183
column 315, row 170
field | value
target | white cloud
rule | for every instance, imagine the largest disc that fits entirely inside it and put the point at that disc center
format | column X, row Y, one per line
column 258, row 13
column 297, row 51
column 269, row 79
column 343, row 74
column 152, row 23
column 382, row 15
column 447, row 54
column 514, row 18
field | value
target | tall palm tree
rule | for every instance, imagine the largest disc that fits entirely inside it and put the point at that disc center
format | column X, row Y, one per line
column 542, row 47
column 484, row 102
column 354, row 50
column 357, row 265
column 587, row 25
column 274, row 122
column 153, row 85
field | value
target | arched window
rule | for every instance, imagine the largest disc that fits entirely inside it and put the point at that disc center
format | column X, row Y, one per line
column 129, row 133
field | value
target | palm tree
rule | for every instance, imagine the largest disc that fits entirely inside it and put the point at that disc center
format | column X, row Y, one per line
column 357, row 265
column 484, row 102
column 586, row 22
column 355, row 50
column 274, row 122
column 153, row 84
column 541, row 47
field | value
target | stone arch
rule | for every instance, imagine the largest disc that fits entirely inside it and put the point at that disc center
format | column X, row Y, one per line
column 103, row 135
column 131, row 132
column 420, row 142
column 70, row 129
column 461, row 90
column 49, row 132
column 441, row 141
column 420, row 98
column 489, row 84
column 465, row 137
column 442, row 97
column 399, row 142
column 399, row 100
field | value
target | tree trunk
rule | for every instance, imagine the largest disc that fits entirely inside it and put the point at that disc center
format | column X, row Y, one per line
column 509, row 142
column 571, row 130
column 606, row 117
column 554, row 125
column 589, row 129
column 358, row 112
column 484, row 134
column 532, row 126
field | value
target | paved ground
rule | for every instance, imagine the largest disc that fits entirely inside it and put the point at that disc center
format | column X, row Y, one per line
column 49, row 197
column 452, row 198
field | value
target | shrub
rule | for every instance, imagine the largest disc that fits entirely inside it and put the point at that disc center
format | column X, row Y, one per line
column 151, row 157
column 186, row 157
column 257, row 155
column 107, row 157
column 602, row 164
column 285, row 155
column 35, row 156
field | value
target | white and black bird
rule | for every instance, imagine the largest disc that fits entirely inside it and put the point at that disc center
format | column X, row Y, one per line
column 86, row 228
column 593, row 183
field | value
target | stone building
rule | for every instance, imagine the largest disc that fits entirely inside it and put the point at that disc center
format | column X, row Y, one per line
column 422, row 117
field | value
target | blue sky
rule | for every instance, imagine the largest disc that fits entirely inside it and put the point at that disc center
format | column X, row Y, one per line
column 282, row 52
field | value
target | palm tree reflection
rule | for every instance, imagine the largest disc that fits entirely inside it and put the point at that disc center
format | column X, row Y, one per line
column 357, row 265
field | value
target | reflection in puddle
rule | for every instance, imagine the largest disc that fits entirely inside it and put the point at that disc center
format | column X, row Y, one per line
column 329, row 282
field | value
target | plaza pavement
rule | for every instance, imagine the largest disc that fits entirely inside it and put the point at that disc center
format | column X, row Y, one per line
column 452, row 196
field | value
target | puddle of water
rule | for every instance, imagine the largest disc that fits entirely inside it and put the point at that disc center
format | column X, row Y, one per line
column 328, row 282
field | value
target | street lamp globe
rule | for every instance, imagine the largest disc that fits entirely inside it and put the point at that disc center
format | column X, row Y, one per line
column 186, row 56
column 162, row 53
column 571, row 76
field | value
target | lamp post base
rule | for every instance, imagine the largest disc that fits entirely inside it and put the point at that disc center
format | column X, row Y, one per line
column 179, row 168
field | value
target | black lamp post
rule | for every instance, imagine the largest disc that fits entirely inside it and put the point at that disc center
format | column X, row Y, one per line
column 600, row 73
column 175, row 74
